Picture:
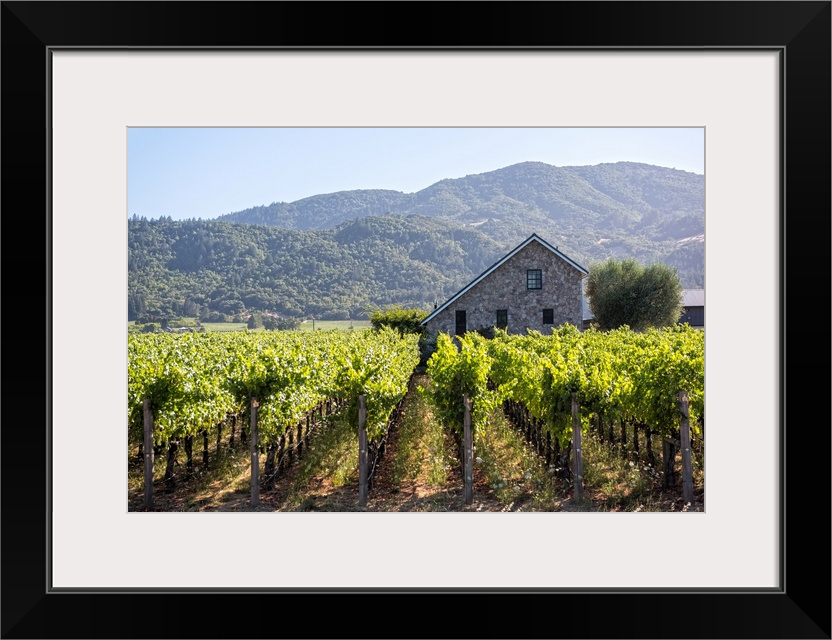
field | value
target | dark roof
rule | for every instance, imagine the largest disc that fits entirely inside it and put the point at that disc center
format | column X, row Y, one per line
column 532, row 238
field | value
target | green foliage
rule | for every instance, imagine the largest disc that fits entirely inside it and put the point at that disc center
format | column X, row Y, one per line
column 404, row 320
column 616, row 374
column 422, row 451
column 336, row 273
column 515, row 473
column 462, row 371
column 182, row 376
column 194, row 380
column 334, row 456
column 280, row 324
column 625, row 485
column 609, row 209
column 255, row 321
column 625, row 293
column 335, row 255
column 379, row 368
column 179, row 323
column 213, row 316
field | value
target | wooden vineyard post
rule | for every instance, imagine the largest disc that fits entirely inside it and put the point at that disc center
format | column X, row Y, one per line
column 255, row 456
column 170, row 466
column 468, row 450
column 189, row 453
column 684, row 436
column 578, row 463
column 148, row 455
column 362, row 451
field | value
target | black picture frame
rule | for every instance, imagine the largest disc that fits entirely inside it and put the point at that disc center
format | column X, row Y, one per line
column 800, row 608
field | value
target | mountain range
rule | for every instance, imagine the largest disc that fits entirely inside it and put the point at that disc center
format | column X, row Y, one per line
column 338, row 254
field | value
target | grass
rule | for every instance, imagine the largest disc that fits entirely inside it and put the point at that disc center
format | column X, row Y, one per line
column 226, row 326
column 230, row 477
column 333, row 459
column 619, row 482
column 423, row 453
column 521, row 481
column 518, row 477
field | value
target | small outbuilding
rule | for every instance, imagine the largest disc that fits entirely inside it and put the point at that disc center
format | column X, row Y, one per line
column 693, row 312
column 693, row 301
column 534, row 286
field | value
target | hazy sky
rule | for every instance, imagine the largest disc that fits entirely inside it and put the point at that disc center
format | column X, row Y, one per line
column 206, row 172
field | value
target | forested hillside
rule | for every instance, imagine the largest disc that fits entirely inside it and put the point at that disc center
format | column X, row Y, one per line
column 190, row 267
column 332, row 256
column 622, row 209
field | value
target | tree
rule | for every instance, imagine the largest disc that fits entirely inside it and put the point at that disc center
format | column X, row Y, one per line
column 405, row 320
column 255, row 320
column 627, row 293
column 280, row 324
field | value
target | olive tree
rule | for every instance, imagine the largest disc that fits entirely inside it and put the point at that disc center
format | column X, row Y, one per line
column 626, row 293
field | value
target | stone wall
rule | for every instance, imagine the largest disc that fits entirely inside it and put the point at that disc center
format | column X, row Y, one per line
column 505, row 288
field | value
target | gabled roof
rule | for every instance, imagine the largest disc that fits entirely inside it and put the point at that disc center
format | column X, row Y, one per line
column 532, row 238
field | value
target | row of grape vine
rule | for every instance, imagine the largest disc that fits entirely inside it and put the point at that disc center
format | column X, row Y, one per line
column 180, row 386
column 553, row 385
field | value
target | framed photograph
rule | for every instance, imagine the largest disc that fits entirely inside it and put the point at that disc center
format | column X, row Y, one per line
column 77, row 76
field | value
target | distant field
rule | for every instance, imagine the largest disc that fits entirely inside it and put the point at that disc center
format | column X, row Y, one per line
column 224, row 326
column 320, row 325
column 323, row 325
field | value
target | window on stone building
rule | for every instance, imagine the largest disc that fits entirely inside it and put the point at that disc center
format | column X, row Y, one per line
column 534, row 279
column 548, row 316
column 502, row 318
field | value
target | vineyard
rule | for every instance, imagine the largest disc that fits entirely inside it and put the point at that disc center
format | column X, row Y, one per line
column 346, row 421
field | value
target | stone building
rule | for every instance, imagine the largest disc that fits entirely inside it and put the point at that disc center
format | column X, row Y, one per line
column 534, row 286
